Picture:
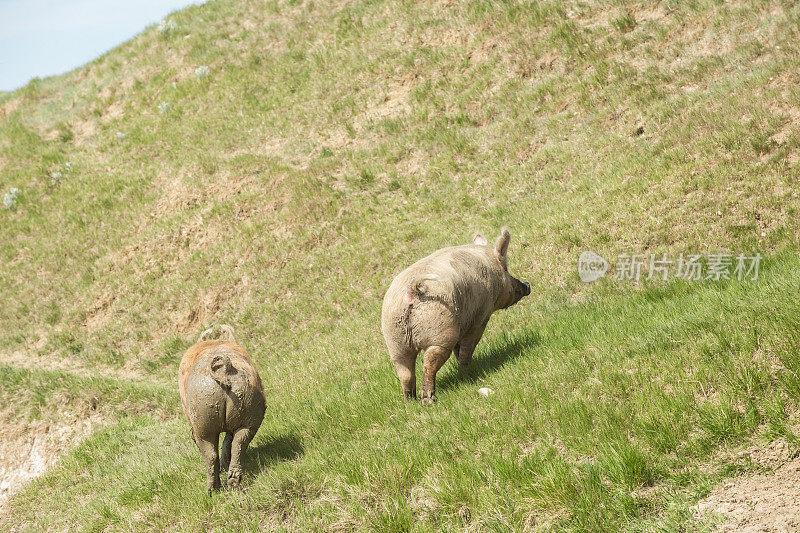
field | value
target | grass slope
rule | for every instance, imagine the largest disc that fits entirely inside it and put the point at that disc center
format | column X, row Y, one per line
column 330, row 144
column 606, row 413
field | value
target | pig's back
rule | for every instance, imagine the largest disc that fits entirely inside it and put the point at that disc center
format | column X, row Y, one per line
column 204, row 401
column 197, row 359
column 465, row 273
column 461, row 294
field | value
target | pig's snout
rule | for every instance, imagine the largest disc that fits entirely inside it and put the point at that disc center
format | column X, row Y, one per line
column 519, row 290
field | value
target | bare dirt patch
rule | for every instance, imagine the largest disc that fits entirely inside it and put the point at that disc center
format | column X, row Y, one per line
column 782, row 135
column 394, row 103
column 10, row 107
column 762, row 502
column 84, row 130
column 28, row 448
column 177, row 193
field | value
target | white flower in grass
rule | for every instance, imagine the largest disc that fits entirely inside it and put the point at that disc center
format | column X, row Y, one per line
column 57, row 175
column 202, row 71
column 485, row 391
column 163, row 107
column 167, row 26
column 121, row 135
column 10, row 198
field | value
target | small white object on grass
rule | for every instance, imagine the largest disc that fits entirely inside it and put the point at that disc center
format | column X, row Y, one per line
column 485, row 391
column 201, row 71
column 10, row 198
column 120, row 135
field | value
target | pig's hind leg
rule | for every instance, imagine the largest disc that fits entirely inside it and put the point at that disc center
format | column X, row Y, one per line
column 404, row 361
column 225, row 453
column 241, row 439
column 208, row 447
column 434, row 358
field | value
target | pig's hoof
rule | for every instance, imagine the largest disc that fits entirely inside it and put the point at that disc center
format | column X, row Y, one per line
column 429, row 400
column 234, row 477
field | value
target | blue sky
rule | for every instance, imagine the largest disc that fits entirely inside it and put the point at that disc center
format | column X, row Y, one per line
column 44, row 37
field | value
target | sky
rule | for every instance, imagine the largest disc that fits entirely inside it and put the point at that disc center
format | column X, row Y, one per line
column 40, row 38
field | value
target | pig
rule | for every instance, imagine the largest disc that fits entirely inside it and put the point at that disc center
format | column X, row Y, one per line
column 221, row 391
column 441, row 304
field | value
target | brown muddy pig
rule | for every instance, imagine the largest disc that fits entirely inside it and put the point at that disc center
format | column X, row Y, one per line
column 220, row 392
column 441, row 304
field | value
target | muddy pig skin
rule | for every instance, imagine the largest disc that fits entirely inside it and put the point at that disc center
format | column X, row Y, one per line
column 441, row 304
column 220, row 392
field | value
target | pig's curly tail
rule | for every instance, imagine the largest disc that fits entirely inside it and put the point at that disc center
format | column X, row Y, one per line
column 417, row 286
column 221, row 367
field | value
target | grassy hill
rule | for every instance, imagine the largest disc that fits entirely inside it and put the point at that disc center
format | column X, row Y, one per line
column 327, row 145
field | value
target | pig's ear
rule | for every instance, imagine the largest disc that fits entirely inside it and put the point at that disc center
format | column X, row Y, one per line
column 226, row 334
column 479, row 239
column 206, row 335
column 501, row 246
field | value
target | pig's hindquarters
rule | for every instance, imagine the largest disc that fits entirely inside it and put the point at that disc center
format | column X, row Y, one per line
column 430, row 325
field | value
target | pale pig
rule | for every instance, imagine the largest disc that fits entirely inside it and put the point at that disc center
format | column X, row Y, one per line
column 441, row 304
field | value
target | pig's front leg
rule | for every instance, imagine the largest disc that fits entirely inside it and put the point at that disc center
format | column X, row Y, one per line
column 466, row 346
column 434, row 358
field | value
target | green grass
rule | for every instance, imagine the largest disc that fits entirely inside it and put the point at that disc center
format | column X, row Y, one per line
column 51, row 394
column 594, row 404
column 332, row 144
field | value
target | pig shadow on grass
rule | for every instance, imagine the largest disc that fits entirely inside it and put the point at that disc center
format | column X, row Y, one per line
column 270, row 451
column 489, row 361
